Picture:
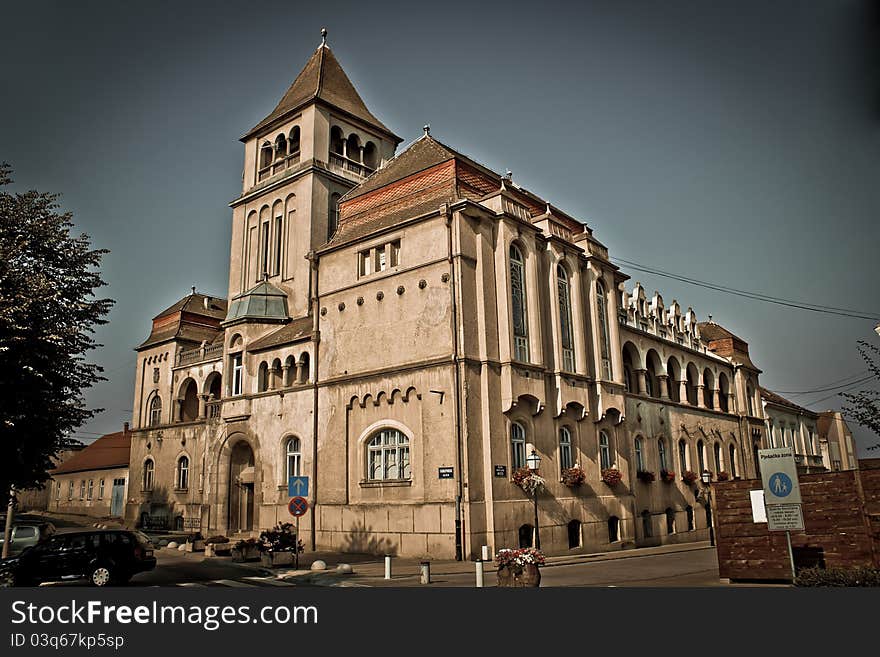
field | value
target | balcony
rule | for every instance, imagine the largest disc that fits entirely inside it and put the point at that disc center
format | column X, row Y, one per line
column 278, row 166
column 343, row 165
column 208, row 352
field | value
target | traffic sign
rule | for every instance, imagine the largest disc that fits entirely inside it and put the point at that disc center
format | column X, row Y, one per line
column 785, row 518
column 298, row 486
column 779, row 476
column 298, row 506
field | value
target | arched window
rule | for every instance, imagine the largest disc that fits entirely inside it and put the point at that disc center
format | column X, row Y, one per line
column 293, row 144
column 613, row 529
column 689, row 510
column 294, row 457
column 661, row 454
column 708, row 389
column 717, row 454
column 602, row 318
column 333, row 215
column 682, row 455
column 265, row 155
column 517, row 446
column 647, row 530
column 701, row 456
column 182, row 479
column 604, row 450
column 640, row 456
column 353, row 147
column 371, row 155
column 565, row 456
column 526, row 536
column 670, row 521
column 263, row 377
column 574, row 534
column 691, row 380
column 563, row 290
column 673, row 378
column 723, row 391
column 155, row 411
column 518, row 305
column 337, row 141
column 148, row 474
column 237, row 375
column 732, row 452
column 280, row 147
column 750, row 395
column 388, row 456
column 304, row 367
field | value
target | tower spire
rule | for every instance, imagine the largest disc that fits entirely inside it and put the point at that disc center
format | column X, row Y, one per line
column 323, row 36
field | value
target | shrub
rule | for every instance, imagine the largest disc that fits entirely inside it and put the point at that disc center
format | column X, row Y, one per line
column 817, row 576
column 281, row 538
column 645, row 476
column 611, row 476
column 574, row 476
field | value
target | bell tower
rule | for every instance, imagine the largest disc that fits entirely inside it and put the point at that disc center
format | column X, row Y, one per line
column 318, row 142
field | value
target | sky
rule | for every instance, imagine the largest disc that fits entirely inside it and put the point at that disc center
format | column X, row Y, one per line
column 731, row 142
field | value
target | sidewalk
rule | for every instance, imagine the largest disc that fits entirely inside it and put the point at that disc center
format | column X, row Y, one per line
column 369, row 570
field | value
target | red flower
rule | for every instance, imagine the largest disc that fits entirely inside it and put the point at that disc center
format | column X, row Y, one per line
column 611, row 476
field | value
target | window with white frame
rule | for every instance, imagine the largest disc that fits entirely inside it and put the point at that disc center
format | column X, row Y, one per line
column 388, row 456
column 565, row 455
column 517, row 446
column 604, row 450
column 101, row 489
column 182, row 480
column 91, row 489
column 602, row 316
column 294, row 457
column 237, row 374
column 148, row 474
column 565, row 327
column 640, row 455
column 82, row 489
column 155, row 411
column 70, row 490
column 661, row 453
column 518, row 305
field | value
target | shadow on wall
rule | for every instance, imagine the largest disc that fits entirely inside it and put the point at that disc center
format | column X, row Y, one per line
column 362, row 539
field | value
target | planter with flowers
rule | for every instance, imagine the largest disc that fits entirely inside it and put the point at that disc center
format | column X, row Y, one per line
column 528, row 480
column 645, row 476
column 574, row 476
column 689, row 477
column 279, row 545
column 246, row 550
column 519, row 568
column 668, row 476
column 723, row 476
column 611, row 476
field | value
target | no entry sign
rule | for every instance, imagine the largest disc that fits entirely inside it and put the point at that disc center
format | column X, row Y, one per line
column 298, row 506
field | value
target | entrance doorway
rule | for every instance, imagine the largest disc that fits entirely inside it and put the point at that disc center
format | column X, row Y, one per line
column 241, row 488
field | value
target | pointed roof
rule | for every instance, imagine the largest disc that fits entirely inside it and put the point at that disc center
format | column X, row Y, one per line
column 322, row 78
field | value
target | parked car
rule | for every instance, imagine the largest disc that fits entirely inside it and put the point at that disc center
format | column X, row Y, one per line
column 27, row 534
column 102, row 556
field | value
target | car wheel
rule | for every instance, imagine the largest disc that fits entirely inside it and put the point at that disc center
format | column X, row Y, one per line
column 100, row 576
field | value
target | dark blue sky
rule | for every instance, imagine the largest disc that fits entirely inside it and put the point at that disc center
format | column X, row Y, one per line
column 734, row 142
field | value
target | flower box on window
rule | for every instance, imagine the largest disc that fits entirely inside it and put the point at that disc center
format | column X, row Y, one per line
column 574, row 476
column 723, row 476
column 645, row 476
column 611, row 476
column 689, row 477
column 667, row 476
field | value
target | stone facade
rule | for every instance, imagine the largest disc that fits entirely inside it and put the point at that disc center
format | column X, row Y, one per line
column 405, row 331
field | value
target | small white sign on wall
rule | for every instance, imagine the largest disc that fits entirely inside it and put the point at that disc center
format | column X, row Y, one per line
column 759, row 511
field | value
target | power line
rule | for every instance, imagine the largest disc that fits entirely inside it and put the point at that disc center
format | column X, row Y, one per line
column 757, row 296
column 846, row 383
column 835, row 394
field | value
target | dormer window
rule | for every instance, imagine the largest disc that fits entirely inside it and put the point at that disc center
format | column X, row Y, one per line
column 379, row 258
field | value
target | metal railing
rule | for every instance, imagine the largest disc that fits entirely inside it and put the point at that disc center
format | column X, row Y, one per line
column 338, row 161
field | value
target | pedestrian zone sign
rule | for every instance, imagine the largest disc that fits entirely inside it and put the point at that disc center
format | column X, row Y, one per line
column 779, row 476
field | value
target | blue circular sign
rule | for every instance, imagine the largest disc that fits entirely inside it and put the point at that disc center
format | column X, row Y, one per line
column 780, row 484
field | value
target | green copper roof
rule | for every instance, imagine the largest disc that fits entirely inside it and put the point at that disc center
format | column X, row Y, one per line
column 263, row 303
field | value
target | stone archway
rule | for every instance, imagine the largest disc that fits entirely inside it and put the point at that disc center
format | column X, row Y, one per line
column 241, row 502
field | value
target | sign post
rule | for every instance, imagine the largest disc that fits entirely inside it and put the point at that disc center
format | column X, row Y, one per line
column 782, row 494
column 298, row 506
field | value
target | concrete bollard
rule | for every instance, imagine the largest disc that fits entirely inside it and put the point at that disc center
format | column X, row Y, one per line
column 479, row 574
column 387, row 566
column 425, row 571
column 485, row 553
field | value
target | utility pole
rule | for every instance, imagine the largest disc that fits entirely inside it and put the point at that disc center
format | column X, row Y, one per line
column 7, row 532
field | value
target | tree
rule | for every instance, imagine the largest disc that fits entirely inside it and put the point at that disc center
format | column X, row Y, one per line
column 48, row 313
column 864, row 406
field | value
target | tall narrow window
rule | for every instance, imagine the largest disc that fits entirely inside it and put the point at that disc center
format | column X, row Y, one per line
column 682, row 455
column 517, row 446
column 279, row 220
column 183, row 473
column 604, row 450
column 640, row 455
column 70, row 490
column 689, row 510
column 394, row 252
column 750, row 397
column 101, row 490
column 58, row 490
column 294, row 458
column 388, row 456
column 381, row 259
column 237, row 374
column 91, row 489
column 701, row 455
column 518, row 305
column 602, row 316
column 156, row 411
column 82, row 489
column 661, row 453
column 333, row 217
column 565, row 457
column 717, row 451
column 264, row 249
column 732, row 452
column 148, row 474
column 564, row 292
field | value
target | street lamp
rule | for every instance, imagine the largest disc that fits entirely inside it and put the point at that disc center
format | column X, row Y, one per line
column 534, row 462
column 706, row 476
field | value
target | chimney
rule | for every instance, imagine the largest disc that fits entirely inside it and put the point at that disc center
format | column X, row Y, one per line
column 125, row 427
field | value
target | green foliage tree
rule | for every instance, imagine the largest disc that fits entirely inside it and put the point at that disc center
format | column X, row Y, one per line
column 864, row 406
column 48, row 313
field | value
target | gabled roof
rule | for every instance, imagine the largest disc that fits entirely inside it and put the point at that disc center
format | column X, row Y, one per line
column 713, row 331
column 107, row 452
column 196, row 317
column 322, row 78
column 779, row 400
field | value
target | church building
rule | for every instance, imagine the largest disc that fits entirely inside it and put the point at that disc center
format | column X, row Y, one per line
column 410, row 330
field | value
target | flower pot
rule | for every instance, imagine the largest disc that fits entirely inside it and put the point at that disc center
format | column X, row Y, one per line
column 528, row 576
column 249, row 553
column 273, row 559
